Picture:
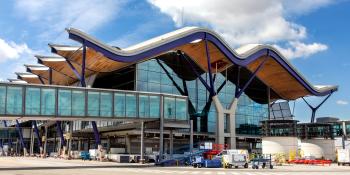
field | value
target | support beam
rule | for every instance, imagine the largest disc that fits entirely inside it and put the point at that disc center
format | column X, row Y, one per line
column 36, row 130
column 50, row 76
column 240, row 91
column 196, row 72
column 21, row 138
column 212, row 89
column 45, row 143
column 314, row 109
column 96, row 134
column 60, row 133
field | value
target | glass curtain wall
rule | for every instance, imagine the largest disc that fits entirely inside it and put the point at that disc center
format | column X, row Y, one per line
column 152, row 78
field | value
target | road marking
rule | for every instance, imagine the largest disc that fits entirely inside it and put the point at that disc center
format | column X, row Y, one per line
column 221, row 173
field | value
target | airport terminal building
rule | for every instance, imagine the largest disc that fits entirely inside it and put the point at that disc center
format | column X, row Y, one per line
column 166, row 95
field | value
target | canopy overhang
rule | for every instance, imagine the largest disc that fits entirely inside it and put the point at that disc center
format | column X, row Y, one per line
column 277, row 74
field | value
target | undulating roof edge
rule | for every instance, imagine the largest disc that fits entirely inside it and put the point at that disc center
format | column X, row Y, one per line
column 241, row 56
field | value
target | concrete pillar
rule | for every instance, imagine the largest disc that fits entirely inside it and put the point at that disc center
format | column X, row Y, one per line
column 220, row 121
column 232, row 112
column 191, row 136
column 31, row 145
column 220, row 138
column 128, row 144
column 79, row 144
column 171, row 143
column 70, row 138
column 142, row 159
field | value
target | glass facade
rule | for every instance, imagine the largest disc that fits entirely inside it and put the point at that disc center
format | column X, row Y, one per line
column 68, row 102
column 152, row 77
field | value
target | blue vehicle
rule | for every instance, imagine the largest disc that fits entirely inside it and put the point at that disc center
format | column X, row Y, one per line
column 199, row 162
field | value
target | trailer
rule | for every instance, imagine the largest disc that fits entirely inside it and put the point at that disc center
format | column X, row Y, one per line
column 343, row 156
column 235, row 158
column 263, row 161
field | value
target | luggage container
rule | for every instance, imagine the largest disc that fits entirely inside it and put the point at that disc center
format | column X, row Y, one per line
column 343, row 156
column 235, row 158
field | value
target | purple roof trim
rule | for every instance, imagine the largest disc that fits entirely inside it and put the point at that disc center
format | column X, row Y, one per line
column 201, row 35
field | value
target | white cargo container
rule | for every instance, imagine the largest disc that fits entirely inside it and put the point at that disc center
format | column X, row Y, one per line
column 235, row 158
column 343, row 156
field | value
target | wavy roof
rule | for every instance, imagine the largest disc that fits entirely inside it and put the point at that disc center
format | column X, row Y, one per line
column 277, row 73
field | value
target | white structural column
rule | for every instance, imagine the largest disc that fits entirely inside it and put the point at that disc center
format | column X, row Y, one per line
column 220, row 134
column 45, row 142
column 220, row 121
column 142, row 159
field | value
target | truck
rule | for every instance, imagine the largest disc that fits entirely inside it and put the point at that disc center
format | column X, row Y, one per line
column 235, row 158
column 343, row 156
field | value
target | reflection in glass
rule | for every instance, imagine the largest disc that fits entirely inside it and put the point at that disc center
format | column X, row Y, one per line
column 14, row 100
column 143, row 106
column 64, row 102
column 169, row 108
column 181, row 112
column 106, row 104
column 2, row 99
column 48, row 103
column 32, row 101
column 78, row 103
column 130, row 105
column 119, row 105
column 93, row 103
column 154, row 102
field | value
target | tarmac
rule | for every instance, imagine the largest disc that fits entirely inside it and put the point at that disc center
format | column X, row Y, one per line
column 51, row 166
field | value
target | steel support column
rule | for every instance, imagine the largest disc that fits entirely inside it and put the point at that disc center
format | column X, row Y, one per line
column 212, row 90
column 60, row 133
column 314, row 109
column 21, row 138
column 223, row 112
column 36, row 130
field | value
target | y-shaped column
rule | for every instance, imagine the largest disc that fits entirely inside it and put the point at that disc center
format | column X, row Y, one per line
column 314, row 109
column 231, row 112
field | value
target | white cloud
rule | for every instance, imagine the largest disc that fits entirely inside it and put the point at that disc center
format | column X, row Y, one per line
column 298, row 49
column 11, row 50
column 244, row 21
column 55, row 16
column 342, row 102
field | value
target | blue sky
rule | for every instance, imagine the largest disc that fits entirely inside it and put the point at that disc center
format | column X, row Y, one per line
column 313, row 34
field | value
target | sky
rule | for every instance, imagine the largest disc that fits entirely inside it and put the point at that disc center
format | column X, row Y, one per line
column 312, row 34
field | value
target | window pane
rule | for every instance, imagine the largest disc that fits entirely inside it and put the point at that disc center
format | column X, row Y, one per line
column 181, row 109
column 48, row 102
column 143, row 106
column 93, row 103
column 2, row 99
column 119, row 105
column 106, row 104
column 154, row 106
column 78, row 103
column 14, row 100
column 64, row 102
column 169, row 108
column 32, row 101
column 130, row 105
